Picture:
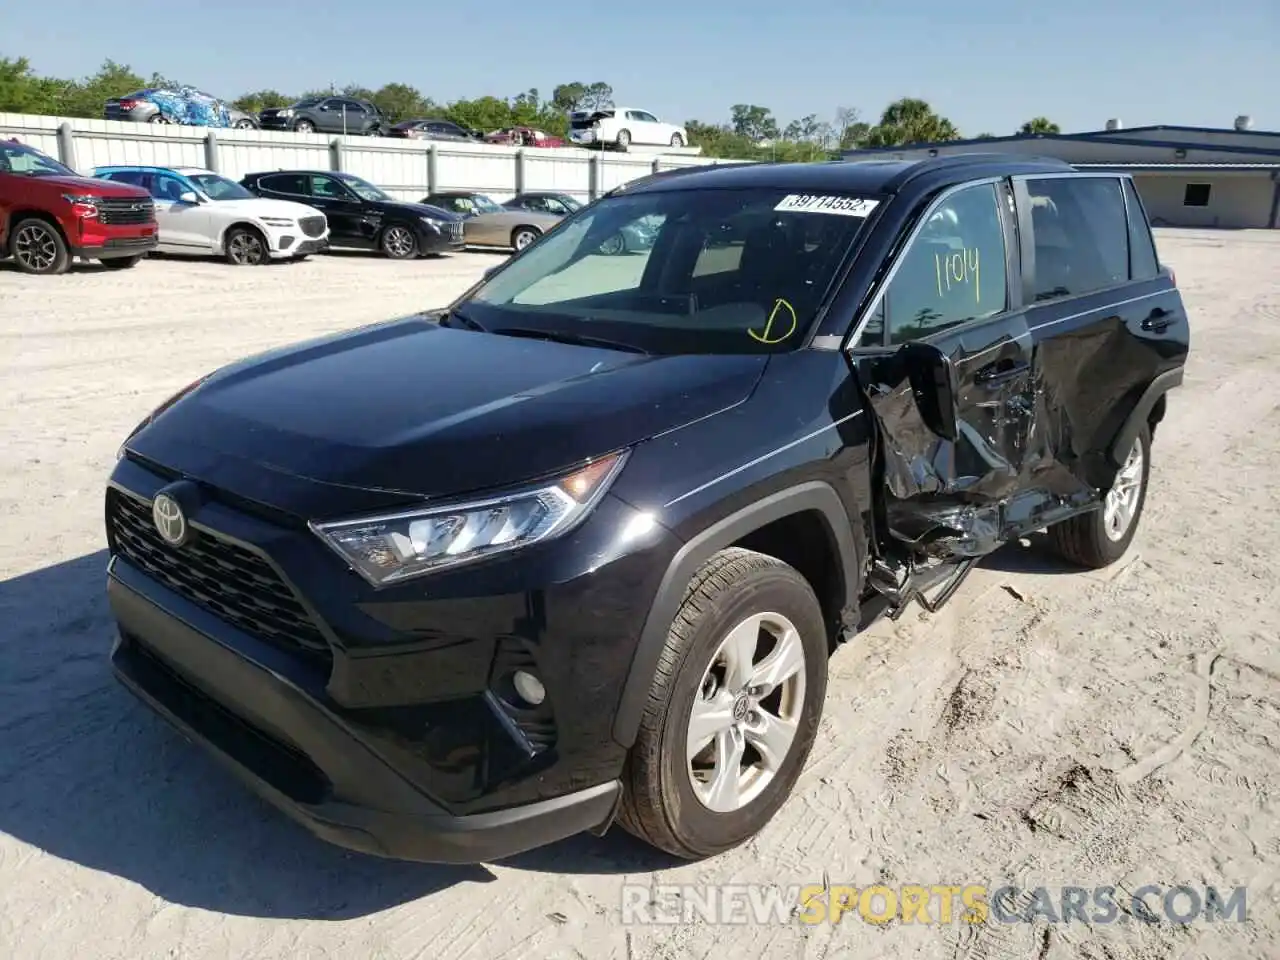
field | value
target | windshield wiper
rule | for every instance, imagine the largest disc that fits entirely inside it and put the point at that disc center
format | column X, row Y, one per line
column 577, row 339
column 447, row 318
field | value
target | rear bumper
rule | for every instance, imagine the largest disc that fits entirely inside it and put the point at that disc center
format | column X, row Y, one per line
column 117, row 247
column 287, row 747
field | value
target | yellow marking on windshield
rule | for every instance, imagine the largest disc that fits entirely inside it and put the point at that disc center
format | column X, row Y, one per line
column 767, row 336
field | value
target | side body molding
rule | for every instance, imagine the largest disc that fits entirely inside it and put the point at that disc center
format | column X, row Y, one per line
column 814, row 495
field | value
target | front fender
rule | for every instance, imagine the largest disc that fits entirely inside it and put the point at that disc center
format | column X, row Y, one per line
column 811, row 496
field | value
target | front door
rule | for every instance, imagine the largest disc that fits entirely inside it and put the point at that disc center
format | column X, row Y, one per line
column 185, row 226
column 348, row 223
column 957, row 288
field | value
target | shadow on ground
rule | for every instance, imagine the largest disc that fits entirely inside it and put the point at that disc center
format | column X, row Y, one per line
column 1031, row 555
column 89, row 775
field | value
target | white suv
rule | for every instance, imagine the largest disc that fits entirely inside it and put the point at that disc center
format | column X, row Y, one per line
column 202, row 213
column 622, row 126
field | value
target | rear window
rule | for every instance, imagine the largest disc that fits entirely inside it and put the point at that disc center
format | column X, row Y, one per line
column 718, row 271
column 1143, row 262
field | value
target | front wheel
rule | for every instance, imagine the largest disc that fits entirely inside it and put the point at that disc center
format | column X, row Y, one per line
column 304, row 126
column 399, row 243
column 245, row 124
column 245, row 247
column 120, row 263
column 37, row 247
column 733, row 710
column 624, row 140
column 614, row 246
column 1101, row 537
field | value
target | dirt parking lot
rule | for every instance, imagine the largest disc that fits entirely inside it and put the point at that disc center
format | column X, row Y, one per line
column 1048, row 727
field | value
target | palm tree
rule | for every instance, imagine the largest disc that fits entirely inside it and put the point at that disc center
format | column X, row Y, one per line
column 1039, row 126
column 908, row 121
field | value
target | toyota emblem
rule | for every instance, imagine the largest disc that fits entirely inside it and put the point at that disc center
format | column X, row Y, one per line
column 169, row 519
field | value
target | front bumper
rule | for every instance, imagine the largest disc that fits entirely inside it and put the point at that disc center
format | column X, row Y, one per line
column 325, row 779
column 106, row 249
column 378, row 718
column 442, row 241
column 290, row 246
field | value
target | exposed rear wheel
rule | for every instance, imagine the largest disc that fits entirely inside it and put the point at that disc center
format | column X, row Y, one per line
column 38, row 247
column 1101, row 537
column 624, row 139
column 521, row 237
column 677, row 140
column 733, row 710
column 244, row 124
column 304, row 126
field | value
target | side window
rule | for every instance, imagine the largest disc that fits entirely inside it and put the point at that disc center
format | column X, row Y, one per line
column 327, row 188
column 167, row 187
column 333, row 103
column 954, row 270
column 1081, row 235
column 285, row 183
column 1143, row 263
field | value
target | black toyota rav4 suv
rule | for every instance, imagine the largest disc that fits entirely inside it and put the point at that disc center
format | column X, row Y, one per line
column 575, row 549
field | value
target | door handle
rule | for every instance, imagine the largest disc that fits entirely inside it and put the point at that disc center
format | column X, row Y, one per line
column 1158, row 320
column 1002, row 371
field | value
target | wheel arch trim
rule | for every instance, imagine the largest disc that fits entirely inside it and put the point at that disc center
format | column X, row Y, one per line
column 1141, row 411
column 814, row 495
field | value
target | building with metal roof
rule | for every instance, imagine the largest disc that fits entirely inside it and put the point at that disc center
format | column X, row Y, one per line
column 1187, row 176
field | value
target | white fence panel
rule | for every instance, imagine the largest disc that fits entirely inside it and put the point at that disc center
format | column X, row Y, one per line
column 407, row 170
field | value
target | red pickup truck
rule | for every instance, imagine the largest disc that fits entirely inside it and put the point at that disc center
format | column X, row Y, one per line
column 50, row 214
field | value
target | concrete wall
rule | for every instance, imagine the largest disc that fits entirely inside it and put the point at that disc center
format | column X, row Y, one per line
column 1234, row 201
column 405, row 169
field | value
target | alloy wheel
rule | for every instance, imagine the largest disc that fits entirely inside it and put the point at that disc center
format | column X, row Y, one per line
column 746, row 713
column 524, row 238
column 246, row 249
column 1121, row 503
column 397, row 242
column 614, row 245
column 36, row 248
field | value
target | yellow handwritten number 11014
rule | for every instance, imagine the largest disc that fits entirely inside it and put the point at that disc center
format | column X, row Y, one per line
column 958, row 269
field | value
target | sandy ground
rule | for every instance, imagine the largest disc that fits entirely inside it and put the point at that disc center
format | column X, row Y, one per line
column 1048, row 727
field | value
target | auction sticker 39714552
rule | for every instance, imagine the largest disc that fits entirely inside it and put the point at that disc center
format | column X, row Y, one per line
column 840, row 206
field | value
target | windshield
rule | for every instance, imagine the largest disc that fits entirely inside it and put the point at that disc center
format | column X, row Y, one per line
column 364, row 189
column 219, row 188
column 308, row 102
column 726, row 271
column 484, row 204
column 17, row 158
column 571, row 202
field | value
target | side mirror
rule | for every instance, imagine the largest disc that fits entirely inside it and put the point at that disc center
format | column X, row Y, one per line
column 188, row 197
column 933, row 385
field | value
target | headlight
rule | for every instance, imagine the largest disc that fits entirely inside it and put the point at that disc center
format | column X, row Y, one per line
column 85, row 206
column 433, row 222
column 278, row 221
column 394, row 547
column 287, row 112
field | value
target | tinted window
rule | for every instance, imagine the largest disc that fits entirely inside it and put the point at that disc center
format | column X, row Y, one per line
column 954, row 270
column 1143, row 263
column 294, row 183
column 165, row 186
column 328, row 188
column 1081, row 235
column 726, row 271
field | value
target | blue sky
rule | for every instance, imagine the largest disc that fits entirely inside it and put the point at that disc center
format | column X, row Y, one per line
column 986, row 64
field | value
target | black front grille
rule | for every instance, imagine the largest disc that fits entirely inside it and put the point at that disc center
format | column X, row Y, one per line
column 121, row 212
column 455, row 230
column 226, row 579
column 312, row 226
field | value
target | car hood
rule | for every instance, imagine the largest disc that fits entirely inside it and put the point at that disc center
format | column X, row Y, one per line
column 263, row 207
column 414, row 209
column 93, row 185
column 409, row 410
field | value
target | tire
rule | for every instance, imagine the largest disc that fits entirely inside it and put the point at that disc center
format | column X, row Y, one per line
column 245, row 247
column 661, row 804
column 304, row 126
column 1092, row 539
column 624, row 140
column 37, row 247
column 244, row 124
column 614, row 246
column 120, row 263
column 521, row 237
column 677, row 140
column 159, row 118
column 398, row 242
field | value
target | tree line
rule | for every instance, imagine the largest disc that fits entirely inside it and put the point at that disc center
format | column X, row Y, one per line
column 752, row 132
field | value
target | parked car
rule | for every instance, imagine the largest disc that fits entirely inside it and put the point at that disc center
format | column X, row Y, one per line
column 488, row 224
column 335, row 114
column 202, row 213
column 49, row 215
column 523, row 137
column 575, row 549
column 632, row 238
column 362, row 216
column 432, row 130
column 181, row 105
column 619, row 127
